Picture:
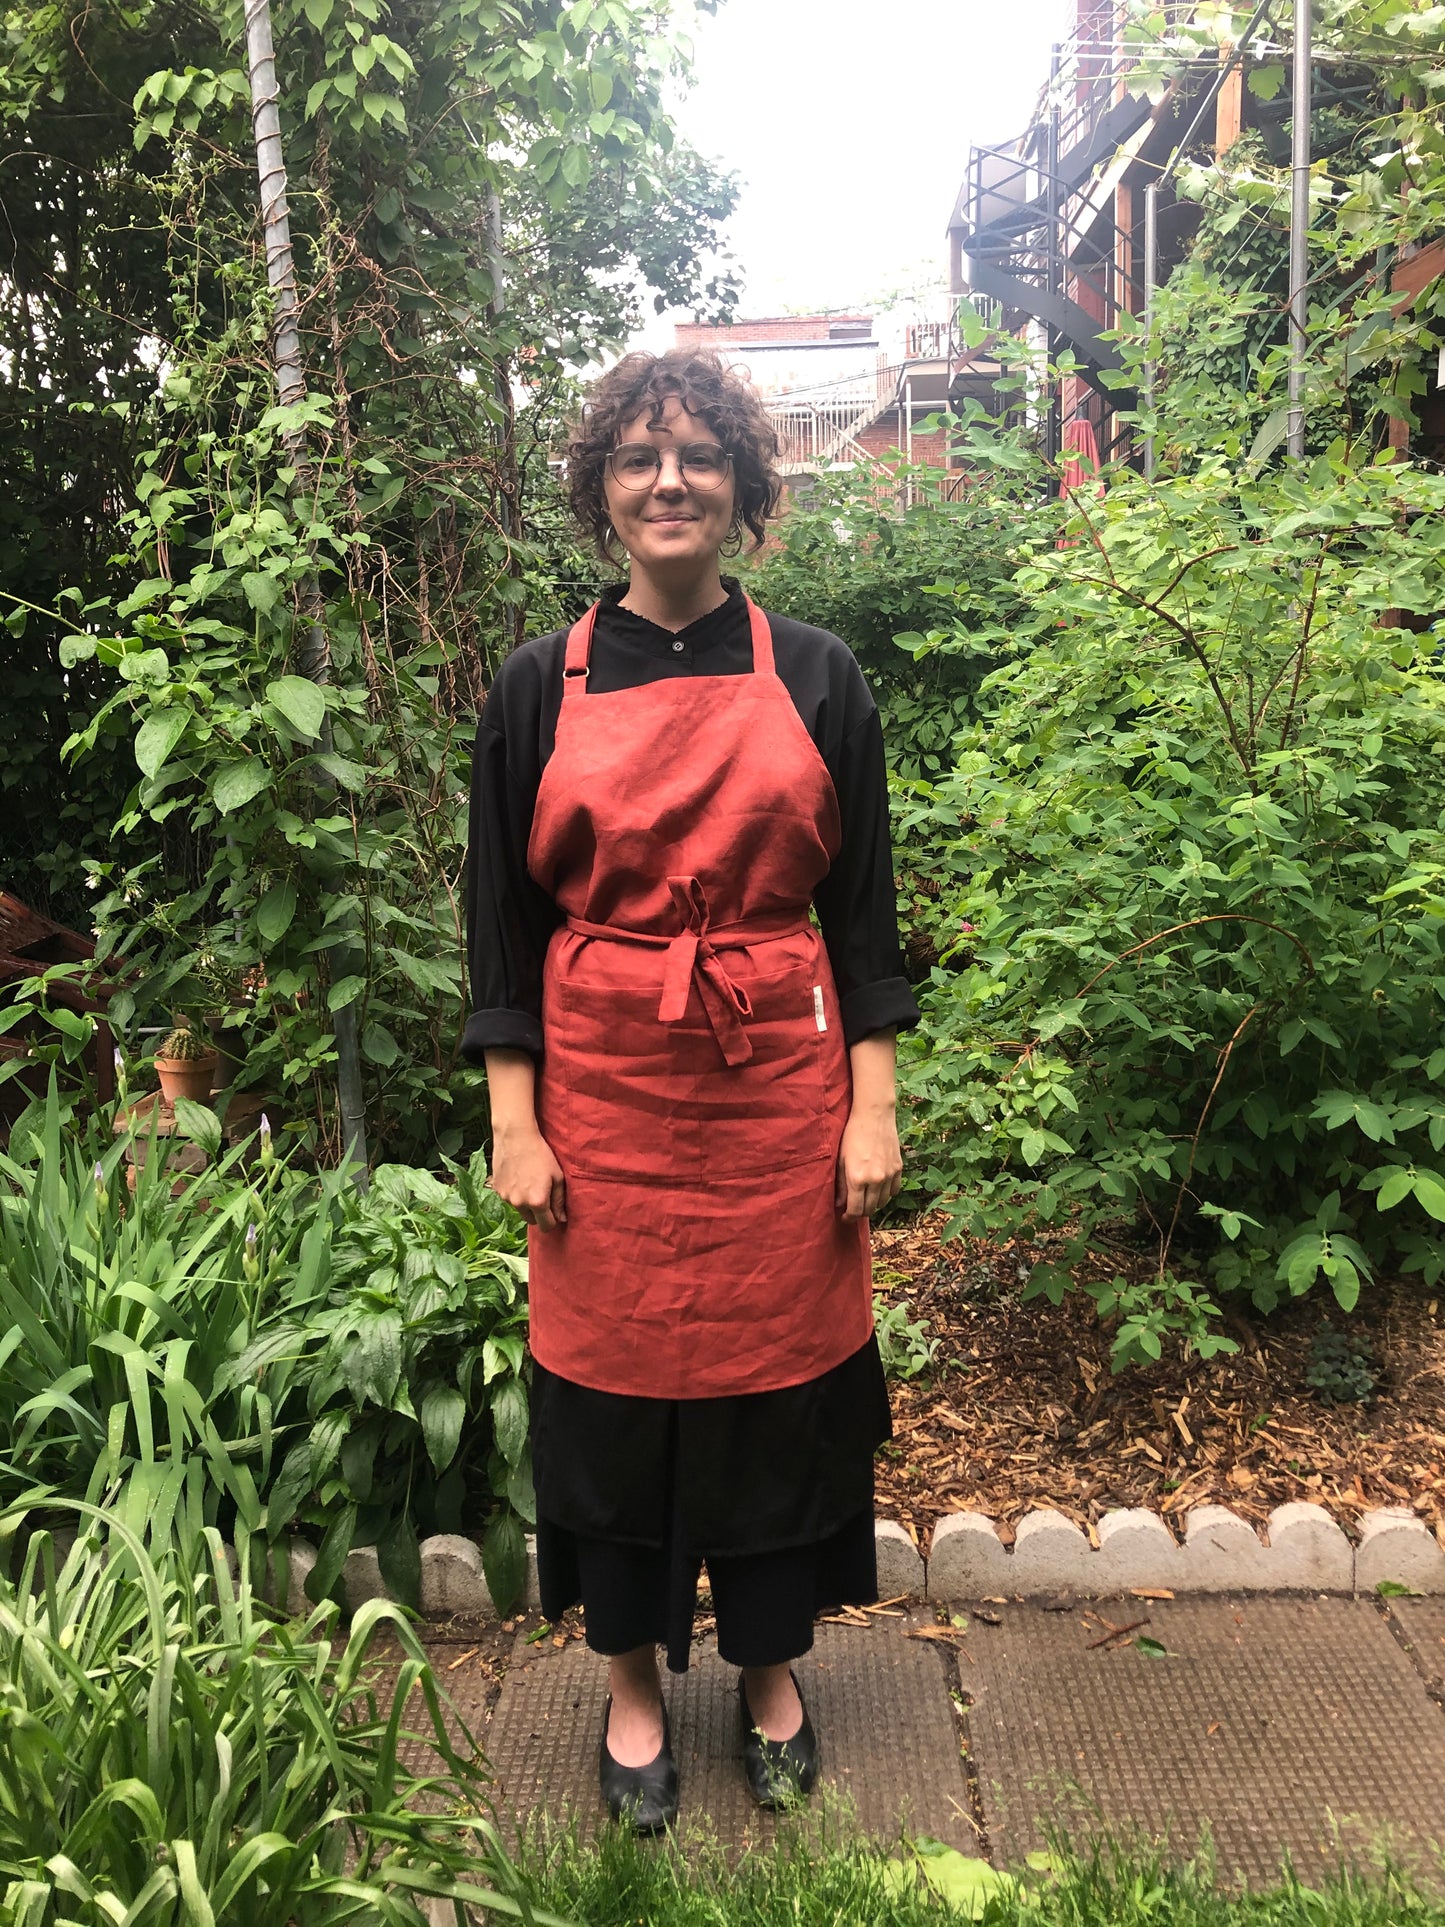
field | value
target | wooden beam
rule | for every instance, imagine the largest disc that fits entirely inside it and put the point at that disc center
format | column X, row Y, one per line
column 1229, row 107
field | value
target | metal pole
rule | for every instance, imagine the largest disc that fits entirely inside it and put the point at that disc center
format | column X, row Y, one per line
column 1151, row 283
column 1299, row 223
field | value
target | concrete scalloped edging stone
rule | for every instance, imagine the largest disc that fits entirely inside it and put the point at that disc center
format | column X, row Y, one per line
column 1301, row 1550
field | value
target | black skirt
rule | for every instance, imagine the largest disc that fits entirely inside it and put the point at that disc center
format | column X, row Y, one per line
column 752, row 1472
column 773, row 1489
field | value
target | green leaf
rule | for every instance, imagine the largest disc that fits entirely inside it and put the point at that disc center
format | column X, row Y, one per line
column 1395, row 1589
column 378, row 1046
column 321, row 1581
column 504, row 1560
column 318, row 12
column 443, row 1413
column 291, row 1488
column 344, row 993
column 351, row 776
column 200, row 1124
column 399, row 1556
column 76, row 649
column 157, row 737
column 1430, row 1194
column 509, row 1419
column 275, row 911
column 437, row 980
column 358, row 1460
column 968, row 1885
column 236, row 783
column 1151, row 1648
column 300, row 702
column 261, row 590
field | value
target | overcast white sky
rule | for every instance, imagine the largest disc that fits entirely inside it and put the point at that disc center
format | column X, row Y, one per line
column 849, row 122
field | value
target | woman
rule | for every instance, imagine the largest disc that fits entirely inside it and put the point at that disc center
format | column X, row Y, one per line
column 691, row 1084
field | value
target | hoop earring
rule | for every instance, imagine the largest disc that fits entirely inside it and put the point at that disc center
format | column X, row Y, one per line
column 733, row 541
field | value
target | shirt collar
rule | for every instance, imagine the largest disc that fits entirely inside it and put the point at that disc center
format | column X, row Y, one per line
column 716, row 626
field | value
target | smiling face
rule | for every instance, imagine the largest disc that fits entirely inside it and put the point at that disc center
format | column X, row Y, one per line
column 669, row 527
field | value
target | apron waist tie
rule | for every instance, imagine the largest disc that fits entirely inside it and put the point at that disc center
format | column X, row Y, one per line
column 693, row 952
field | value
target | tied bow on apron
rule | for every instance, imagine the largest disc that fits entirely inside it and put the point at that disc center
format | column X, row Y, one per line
column 693, row 955
column 692, row 952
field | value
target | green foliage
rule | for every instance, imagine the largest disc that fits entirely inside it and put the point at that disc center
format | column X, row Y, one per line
column 172, row 1753
column 922, row 594
column 122, row 1314
column 903, row 1341
column 265, row 1347
column 1196, row 968
column 416, row 1401
column 479, row 199
column 819, row 1874
column 1342, row 1368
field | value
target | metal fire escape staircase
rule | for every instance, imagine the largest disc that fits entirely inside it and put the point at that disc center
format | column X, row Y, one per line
column 818, row 429
column 1040, row 233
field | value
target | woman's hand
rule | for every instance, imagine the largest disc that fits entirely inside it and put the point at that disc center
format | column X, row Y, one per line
column 870, row 1163
column 525, row 1174
column 528, row 1177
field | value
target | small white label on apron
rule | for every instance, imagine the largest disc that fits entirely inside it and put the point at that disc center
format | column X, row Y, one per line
column 820, row 1016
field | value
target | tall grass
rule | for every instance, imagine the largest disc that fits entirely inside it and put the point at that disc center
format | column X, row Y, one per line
column 174, row 1755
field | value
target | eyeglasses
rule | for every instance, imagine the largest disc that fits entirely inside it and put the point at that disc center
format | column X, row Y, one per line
column 702, row 465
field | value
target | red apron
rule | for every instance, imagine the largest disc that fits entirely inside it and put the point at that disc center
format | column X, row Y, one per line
column 694, row 1083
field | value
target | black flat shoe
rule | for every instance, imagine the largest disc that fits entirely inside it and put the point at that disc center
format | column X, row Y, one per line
column 645, row 1797
column 778, row 1771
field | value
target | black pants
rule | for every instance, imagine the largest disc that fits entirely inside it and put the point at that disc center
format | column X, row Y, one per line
column 764, row 1602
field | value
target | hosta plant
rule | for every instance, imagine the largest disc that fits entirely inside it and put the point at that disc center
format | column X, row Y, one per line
column 416, row 1401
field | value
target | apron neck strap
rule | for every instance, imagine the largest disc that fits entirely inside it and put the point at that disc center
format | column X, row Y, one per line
column 762, row 640
column 579, row 648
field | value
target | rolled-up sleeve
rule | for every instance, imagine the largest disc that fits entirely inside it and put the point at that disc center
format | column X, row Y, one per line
column 857, row 902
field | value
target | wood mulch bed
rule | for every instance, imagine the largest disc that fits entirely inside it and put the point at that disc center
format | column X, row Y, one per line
column 1021, row 1409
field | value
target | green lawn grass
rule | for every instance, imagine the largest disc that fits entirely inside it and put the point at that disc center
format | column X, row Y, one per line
column 818, row 1877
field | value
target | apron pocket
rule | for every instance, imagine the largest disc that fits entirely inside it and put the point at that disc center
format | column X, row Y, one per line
column 658, row 1103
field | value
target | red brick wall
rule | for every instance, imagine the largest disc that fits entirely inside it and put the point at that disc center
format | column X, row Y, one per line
column 792, row 327
column 881, row 439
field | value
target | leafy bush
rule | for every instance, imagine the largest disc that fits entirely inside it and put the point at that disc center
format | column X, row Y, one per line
column 169, row 1752
column 412, row 1367
column 1194, row 976
column 923, row 594
column 290, row 1350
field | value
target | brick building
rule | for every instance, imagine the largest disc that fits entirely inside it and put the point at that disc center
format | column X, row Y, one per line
column 841, row 388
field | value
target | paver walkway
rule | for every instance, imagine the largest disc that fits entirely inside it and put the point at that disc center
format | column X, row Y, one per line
column 1291, row 1725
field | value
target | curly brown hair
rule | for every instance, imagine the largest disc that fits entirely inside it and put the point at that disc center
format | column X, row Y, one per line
column 707, row 388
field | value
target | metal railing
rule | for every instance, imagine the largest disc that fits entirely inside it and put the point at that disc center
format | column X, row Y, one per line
column 818, row 426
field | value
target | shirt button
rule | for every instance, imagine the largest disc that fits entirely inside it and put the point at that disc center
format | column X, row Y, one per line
column 677, row 648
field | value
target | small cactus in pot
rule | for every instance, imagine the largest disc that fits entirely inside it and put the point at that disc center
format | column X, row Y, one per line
column 185, row 1064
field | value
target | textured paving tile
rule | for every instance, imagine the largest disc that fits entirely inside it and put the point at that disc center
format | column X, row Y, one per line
column 879, row 1701
column 1421, row 1623
column 1295, row 1725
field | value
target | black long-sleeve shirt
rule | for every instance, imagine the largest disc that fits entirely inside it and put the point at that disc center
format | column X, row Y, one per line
column 510, row 917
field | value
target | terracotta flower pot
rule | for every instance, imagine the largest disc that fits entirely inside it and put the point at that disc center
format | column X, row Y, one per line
column 186, row 1077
